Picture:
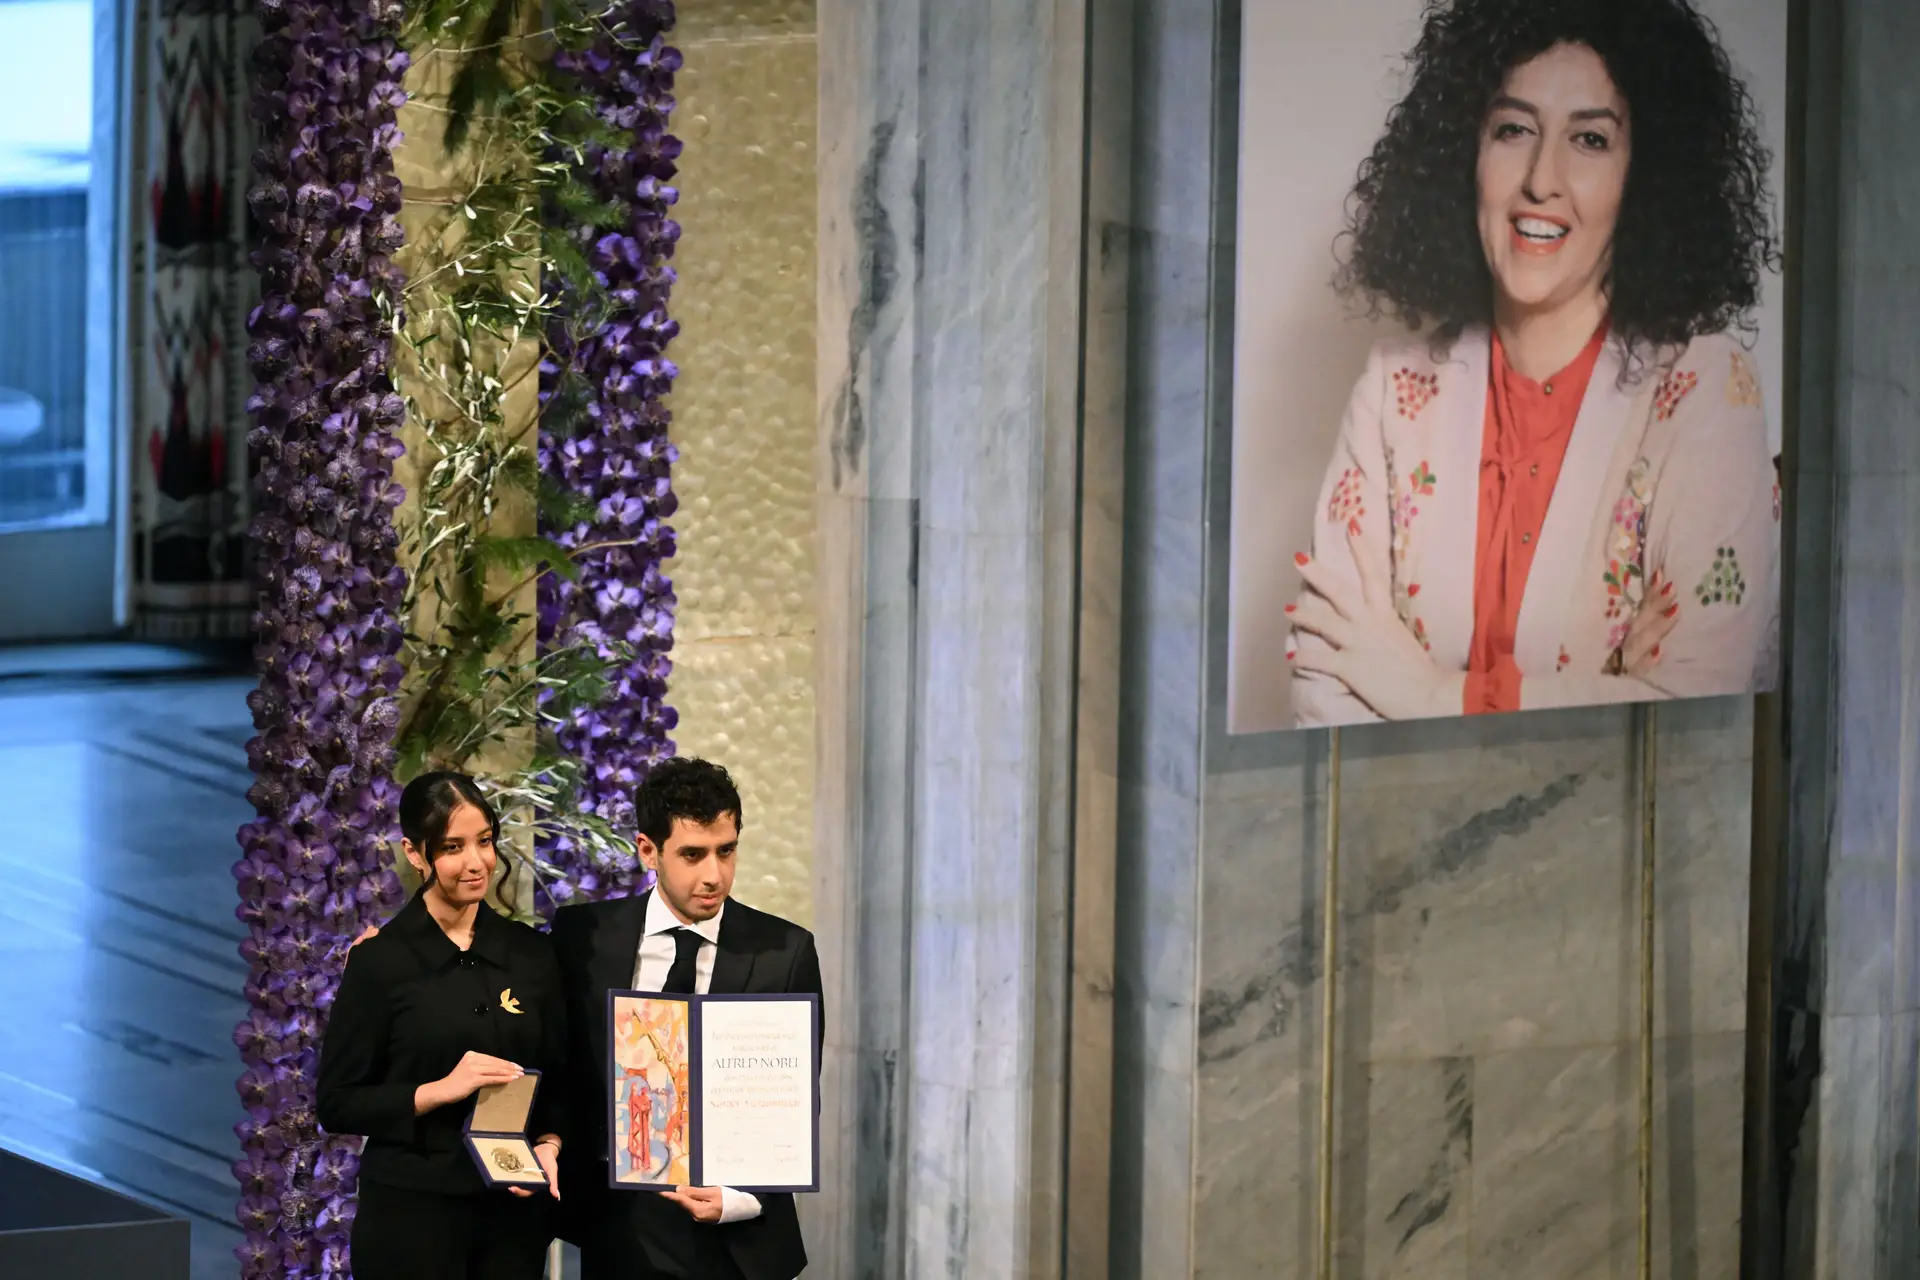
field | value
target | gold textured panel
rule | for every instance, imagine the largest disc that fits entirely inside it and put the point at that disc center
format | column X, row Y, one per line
column 433, row 182
column 749, row 704
column 734, row 19
column 744, row 421
column 743, row 407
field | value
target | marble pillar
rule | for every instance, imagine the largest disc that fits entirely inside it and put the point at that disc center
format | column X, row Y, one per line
column 949, row 310
column 1166, row 52
column 1834, row 1162
column 1099, row 728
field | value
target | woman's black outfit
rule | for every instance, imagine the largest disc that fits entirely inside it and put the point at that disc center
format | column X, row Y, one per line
column 410, row 1005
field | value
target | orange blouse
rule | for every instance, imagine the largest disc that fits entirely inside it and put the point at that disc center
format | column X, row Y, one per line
column 1528, row 425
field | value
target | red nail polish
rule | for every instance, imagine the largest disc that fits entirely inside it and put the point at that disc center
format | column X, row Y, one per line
column 1300, row 558
column 1290, row 608
column 1655, row 655
column 1670, row 611
column 1292, row 654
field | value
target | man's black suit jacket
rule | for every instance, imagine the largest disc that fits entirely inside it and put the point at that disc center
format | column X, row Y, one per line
column 598, row 945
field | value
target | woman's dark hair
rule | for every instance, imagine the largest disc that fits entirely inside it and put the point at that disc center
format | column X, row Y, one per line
column 684, row 787
column 1695, row 233
column 429, row 802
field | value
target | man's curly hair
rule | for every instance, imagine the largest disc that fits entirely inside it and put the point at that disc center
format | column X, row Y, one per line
column 1695, row 233
column 698, row 790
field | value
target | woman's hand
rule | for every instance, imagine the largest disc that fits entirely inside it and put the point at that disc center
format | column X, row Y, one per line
column 1369, row 649
column 547, row 1152
column 1658, row 615
column 704, row 1203
column 475, row 1071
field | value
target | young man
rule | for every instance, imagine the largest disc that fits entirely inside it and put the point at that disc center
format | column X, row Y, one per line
column 685, row 935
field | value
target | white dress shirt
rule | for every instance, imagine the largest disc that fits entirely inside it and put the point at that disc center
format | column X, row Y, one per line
column 650, row 968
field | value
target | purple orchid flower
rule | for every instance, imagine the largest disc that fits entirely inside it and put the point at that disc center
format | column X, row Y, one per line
column 323, row 444
column 605, row 453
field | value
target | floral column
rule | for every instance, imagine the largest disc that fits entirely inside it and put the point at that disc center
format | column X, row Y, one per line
column 327, row 81
column 606, row 443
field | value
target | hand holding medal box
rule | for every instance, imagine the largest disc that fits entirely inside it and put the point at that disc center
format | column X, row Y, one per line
column 496, row 1133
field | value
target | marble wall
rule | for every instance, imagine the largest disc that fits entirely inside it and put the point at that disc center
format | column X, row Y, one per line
column 1487, row 1043
column 1486, row 1046
column 1487, row 1032
column 743, row 420
column 1154, row 237
column 1834, row 1178
column 950, row 247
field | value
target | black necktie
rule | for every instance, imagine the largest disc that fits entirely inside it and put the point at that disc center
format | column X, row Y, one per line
column 686, row 951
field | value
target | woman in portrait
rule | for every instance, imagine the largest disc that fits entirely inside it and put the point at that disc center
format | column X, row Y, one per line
column 448, row 998
column 1557, row 490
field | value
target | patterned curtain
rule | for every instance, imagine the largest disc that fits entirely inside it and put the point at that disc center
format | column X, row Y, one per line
column 192, row 287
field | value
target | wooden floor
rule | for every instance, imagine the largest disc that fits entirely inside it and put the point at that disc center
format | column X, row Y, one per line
column 119, row 979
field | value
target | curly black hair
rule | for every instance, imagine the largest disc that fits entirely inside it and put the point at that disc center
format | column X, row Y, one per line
column 685, row 787
column 1695, row 233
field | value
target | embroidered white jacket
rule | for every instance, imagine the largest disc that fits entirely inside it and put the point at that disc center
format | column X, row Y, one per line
column 1668, row 479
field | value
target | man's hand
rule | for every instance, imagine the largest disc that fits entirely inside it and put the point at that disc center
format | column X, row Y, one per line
column 702, row 1202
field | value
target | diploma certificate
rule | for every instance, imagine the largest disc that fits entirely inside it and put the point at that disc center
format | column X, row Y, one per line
column 756, row 1107
column 714, row 1091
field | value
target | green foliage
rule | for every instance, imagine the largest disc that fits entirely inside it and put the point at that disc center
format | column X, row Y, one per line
column 486, row 272
column 522, row 554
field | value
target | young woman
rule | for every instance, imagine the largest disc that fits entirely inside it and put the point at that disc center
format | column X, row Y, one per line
column 448, row 997
column 1560, row 491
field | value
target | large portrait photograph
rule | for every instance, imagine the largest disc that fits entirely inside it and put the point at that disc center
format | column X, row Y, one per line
column 1507, row 356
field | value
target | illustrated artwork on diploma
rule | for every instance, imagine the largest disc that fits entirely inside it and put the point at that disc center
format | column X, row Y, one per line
column 650, row 1123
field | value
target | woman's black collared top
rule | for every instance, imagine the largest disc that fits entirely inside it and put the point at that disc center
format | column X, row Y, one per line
column 410, row 1005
